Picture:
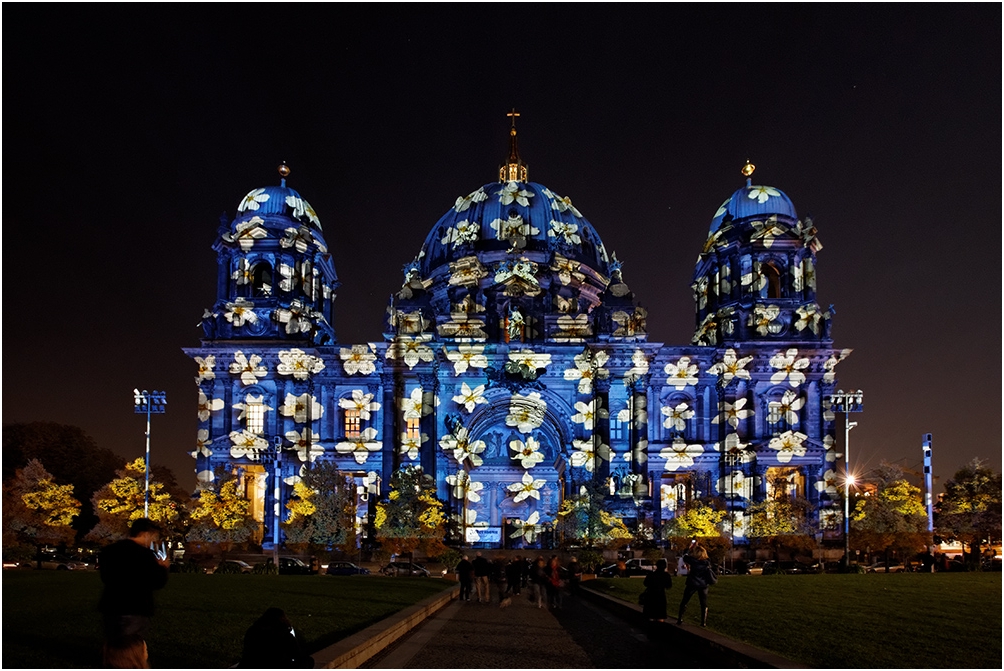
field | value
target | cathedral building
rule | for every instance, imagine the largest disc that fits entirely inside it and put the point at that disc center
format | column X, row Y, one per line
column 514, row 366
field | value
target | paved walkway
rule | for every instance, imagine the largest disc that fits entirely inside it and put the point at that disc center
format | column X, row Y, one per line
column 469, row 635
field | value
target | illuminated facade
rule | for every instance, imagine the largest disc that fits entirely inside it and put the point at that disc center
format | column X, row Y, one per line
column 515, row 365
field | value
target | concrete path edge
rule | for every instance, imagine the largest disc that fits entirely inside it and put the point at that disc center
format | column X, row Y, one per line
column 354, row 651
column 730, row 652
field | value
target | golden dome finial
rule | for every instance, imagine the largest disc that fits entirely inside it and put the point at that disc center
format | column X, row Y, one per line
column 284, row 170
column 514, row 169
column 748, row 169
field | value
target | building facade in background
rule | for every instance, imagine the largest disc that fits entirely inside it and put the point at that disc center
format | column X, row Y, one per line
column 515, row 366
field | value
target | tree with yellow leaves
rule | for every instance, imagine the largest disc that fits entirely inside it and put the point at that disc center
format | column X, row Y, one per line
column 121, row 501
column 412, row 517
column 222, row 517
column 36, row 511
column 322, row 510
column 584, row 520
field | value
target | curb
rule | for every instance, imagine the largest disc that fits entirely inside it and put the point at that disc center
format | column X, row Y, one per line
column 722, row 651
column 354, row 651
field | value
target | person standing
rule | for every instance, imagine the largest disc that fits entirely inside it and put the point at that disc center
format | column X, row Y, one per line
column 465, row 574
column 482, row 569
column 130, row 571
column 513, row 576
column 574, row 574
column 656, row 584
column 699, row 578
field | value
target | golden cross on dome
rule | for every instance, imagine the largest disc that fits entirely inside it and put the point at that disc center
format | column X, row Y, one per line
column 513, row 114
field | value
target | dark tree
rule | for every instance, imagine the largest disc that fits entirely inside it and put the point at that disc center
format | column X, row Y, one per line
column 970, row 509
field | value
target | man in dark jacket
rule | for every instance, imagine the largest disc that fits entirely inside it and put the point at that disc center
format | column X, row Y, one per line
column 465, row 574
column 482, row 569
column 131, row 571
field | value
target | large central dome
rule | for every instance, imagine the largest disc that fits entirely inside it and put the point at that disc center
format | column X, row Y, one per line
column 515, row 217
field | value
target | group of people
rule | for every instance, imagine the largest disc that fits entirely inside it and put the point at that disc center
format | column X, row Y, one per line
column 699, row 577
column 544, row 579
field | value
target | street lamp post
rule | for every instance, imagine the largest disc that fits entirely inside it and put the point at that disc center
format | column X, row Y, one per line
column 851, row 401
column 148, row 403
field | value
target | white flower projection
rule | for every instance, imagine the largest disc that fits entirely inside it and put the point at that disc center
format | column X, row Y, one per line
column 763, row 316
column 677, row 417
column 761, row 193
column 732, row 413
column 207, row 368
column 361, row 447
column 526, row 488
column 787, row 407
column 589, row 413
column 247, row 367
column 512, row 193
column 789, row 367
column 640, row 403
column 830, row 374
column 529, row 358
column 202, row 444
column 246, row 444
column 569, row 233
column 411, row 350
column 411, row 445
column 357, row 360
column 464, row 202
column 767, row 231
column 305, row 444
column 463, row 232
column 469, row 398
column 587, row 366
column 464, row 449
column 526, row 413
column 463, row 487
column 253, row 200
column 562, row 204
column 528, row 528
column 299, row 364
column 361, row 402
column 240, row 311
column 246, row 232
column 680, row 455
column 466, row 356
column 588, row 454
column 206, row 406
column 299, row 407
column 418, row 404
column 731, row 367
column 526, row 453
column 681, row 374
column 828, row 484
column 302, row 208
column 789, row 444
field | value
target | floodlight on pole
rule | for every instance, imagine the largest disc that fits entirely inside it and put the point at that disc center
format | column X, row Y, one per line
column 148, row 403
column 851, row 401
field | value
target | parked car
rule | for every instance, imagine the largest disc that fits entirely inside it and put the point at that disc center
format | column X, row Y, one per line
column 294, row 566
column 879, row 567
column 754, row 568
column 63, row 563
column 405, row 568
column 785, row 568
column 636, row 566
column 346, row 568
column 233, row 566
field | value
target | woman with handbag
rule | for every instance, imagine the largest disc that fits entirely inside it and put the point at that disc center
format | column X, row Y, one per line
column 699, row 578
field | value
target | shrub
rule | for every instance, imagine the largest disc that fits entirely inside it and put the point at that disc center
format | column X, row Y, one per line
column 265, row 568
column 227, row 567
column 450, row 558
column 591, row 560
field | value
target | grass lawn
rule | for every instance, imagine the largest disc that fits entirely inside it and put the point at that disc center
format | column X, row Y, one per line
column 901, row 620
column 50, row 618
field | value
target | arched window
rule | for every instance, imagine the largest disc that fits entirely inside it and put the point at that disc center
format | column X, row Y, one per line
column 773, row 279
column 261, row 279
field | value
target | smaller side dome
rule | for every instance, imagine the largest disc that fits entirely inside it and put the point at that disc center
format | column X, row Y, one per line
column 754, row 200
column 278, row 200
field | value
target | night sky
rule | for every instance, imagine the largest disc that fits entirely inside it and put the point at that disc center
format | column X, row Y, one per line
column 129, row 129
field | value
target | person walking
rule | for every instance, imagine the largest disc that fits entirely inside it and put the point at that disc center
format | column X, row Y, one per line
column 271, row 643
column 513, row 576
column 654, row 596
column 699, row 578
column 553, row 584
column 130, row 571
column 465, row 574
column 538, row 579
column 482, row 569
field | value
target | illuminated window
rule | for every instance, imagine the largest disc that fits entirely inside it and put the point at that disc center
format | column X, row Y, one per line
column 785, row 483
column 255, row 415
column 414, row 429
column 616, row 430
column 353, row 423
